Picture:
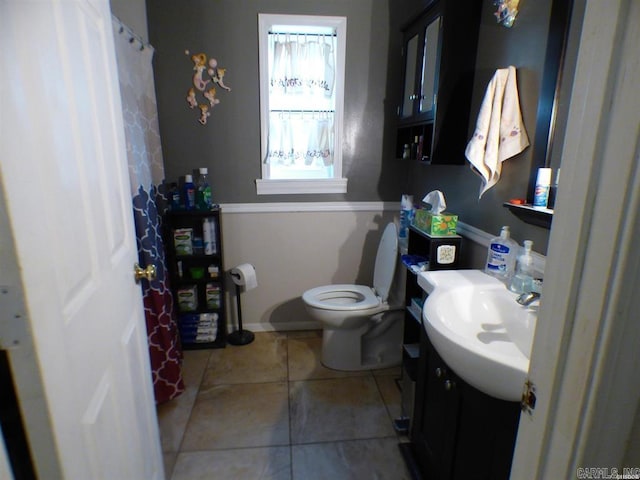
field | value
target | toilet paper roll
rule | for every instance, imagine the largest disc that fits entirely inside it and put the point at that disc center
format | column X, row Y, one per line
column 244, row 275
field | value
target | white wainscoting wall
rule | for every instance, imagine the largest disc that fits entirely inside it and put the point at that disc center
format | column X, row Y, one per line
column 298, row 246
column 295, row 247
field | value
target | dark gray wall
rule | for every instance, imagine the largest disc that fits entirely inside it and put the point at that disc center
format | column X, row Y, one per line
column 230, row 144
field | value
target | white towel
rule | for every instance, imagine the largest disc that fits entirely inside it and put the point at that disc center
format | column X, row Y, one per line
column 500, row 132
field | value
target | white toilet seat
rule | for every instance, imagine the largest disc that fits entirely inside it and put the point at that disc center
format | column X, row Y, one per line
column 342, row 298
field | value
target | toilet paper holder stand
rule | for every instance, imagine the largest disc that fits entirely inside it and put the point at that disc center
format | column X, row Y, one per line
column 240, row 336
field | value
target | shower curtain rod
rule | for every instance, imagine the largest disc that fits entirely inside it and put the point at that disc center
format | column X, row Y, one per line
column 123, row 28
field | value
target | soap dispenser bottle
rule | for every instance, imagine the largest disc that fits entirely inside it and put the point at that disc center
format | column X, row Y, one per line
column 501, row 256
column 522, row 281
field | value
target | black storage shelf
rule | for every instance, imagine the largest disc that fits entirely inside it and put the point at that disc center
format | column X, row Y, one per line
column 193, row 219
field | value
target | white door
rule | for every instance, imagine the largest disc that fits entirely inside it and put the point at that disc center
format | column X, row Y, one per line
column 585, row 353
column 65, row 180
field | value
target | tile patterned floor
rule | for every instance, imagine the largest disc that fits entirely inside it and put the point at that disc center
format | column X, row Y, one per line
column 270, row 410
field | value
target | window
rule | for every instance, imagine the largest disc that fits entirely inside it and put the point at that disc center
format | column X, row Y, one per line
column 302, row 61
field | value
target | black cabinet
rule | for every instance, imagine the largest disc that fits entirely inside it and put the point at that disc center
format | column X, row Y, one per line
column 194, row 259
column 458, row 432
column 430, row 253
column 439, row 52
column 434, row 434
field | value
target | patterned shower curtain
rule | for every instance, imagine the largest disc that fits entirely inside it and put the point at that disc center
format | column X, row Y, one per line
column 146, row 172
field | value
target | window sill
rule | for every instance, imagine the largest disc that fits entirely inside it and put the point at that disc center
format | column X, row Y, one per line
column 276, row 187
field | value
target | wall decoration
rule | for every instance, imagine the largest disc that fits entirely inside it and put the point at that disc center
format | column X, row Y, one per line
column 207, row 75
column 507, row 11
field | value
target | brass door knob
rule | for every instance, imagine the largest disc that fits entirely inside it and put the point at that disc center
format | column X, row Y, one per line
column 149, row 273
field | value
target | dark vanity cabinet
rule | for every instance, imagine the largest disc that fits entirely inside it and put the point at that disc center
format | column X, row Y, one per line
column 439, row 51
column 458, row 432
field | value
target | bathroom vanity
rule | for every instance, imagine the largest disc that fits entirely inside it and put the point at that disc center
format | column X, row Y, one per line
column 457, row 431
column 475, row 344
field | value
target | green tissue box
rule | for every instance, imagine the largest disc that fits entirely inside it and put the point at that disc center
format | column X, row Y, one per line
column 440, row 224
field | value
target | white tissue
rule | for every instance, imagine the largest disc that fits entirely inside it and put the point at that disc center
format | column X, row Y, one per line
column 245, row 275
column 436, row 200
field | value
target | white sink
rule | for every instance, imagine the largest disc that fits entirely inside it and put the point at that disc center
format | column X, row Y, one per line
column 479, row 330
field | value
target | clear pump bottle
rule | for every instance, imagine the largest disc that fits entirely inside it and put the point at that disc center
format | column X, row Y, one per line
column 522, row 281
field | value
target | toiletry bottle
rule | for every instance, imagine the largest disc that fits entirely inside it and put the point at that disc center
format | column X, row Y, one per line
column 189, row 192
column 501, row 256
column 553, row 191
column 522, row 281
column 174, row 196
column 406, row 207
column 541, row 193
column 206, row 236
column 203, row 191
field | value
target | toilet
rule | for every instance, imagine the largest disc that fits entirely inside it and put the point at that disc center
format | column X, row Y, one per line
column 360, row 329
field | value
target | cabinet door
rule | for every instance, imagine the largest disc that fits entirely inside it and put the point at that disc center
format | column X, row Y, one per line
column 439, row 424
column 422, row 60
column 430, row 68
column 410, row 67
column 437, row 407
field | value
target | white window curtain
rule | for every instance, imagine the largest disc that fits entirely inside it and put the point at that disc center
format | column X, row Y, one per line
column 301, row 139
column 301, row 100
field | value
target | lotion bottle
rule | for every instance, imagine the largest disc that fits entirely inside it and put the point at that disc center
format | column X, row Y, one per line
column 501, row 256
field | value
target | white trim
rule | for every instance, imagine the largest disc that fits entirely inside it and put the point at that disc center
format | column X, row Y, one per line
column 320, row 185
column 287, row 207
column 475, row 234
